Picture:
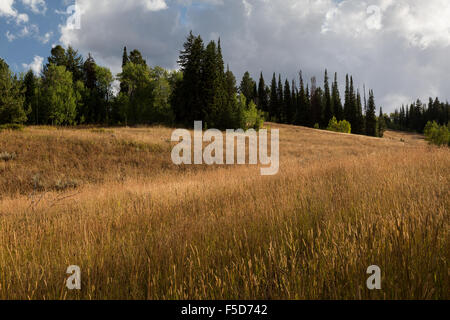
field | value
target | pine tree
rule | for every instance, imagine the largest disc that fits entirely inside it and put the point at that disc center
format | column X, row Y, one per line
column 58, row 57
column 247, row 87
column 371, row 121
column 358, row 127
column 123, row 87
column 336, row 98
column 287, row 99
column 381, row 124
column 11, row 97
column 302, row 113
column 188, row 100
column 263, row 99
column 281, row 104
column 74, row 64
column 30, row 83
column 273, row 105
column 328, row 113
column 136, row 58
column 125, row 59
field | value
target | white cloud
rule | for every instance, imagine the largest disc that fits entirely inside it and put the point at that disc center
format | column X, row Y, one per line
column 37, row 6
column 399, row 48
column 10, row 36
column 46, row 37
column 7, row 10
column 35, row 65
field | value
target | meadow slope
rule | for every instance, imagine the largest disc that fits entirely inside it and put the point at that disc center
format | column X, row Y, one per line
column 111, row 202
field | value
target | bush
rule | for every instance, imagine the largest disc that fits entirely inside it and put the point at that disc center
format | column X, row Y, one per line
column 341, row 126
column 6, row 156
column 436, row 134
column 11, row 126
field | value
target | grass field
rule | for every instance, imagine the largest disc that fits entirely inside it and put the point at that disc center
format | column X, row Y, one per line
column 111, row 201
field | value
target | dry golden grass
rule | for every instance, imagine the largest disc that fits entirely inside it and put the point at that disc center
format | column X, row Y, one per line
column 139, row 227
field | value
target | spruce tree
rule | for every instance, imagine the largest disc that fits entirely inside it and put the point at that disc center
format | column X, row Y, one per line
column 301, row 114
column 371, row 121
column 247, row 87
column 123, row 87
column 281, row 104
column 11, row 97
column 328, row 112
column 336, row 98
column 263, row 99
column 273, row 105
column 287, row 99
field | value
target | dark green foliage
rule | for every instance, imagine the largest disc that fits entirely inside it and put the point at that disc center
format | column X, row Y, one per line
column 371, row 120
column 416, row 116
column 136, row 58
column 381, row 124
column 336, row 100
column 328, row 112
column 263, row 98
column 11, row 97
column 247, row 88
column 273, row 105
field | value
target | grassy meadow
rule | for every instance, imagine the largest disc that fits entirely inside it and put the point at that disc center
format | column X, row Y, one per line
column 111, row 201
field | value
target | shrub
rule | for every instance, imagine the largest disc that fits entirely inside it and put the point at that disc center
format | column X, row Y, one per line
column 11, row 126
column 341, row 126
column 6, row 156
column 436, row 134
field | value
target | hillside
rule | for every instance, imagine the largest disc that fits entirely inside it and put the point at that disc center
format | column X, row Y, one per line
column 111, row 201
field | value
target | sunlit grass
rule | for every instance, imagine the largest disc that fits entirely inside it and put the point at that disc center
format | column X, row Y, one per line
column 141, row 228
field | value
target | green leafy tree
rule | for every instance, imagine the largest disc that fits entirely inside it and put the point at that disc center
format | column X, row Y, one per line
column 139, row 107
column 339, row 126
column 58, row 96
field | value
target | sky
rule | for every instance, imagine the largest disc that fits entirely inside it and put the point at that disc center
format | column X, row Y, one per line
column 399, row 48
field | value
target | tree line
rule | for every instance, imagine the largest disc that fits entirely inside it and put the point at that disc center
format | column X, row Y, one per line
column 418, row 114
column 72, row 90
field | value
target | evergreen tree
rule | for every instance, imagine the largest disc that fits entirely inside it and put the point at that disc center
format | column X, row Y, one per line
column 381, row 124
column 11, row 97
column 74, row 63
column 190, row 97
column 30, row 84
column 301, row 114
column 125, row 59
column 247, row 87
column 336, row 99
column 136, row 58
column 287, row 99
column 123, row 88
column 58, row 98
column 329, row 112
column 281, row 105
column 263, row 99
column 58, row 57
column 358, row 127
column 273, row 105
column 371, row 121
